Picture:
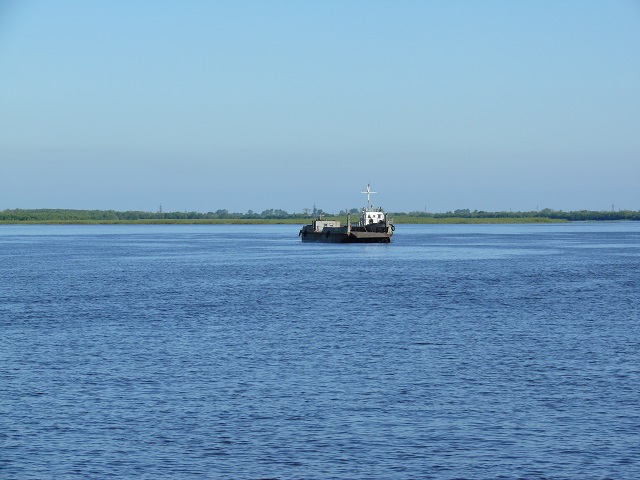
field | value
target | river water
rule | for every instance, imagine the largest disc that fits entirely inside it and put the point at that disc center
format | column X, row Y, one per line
column 216, row 351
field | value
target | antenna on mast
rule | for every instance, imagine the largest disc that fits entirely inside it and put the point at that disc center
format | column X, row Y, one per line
column 369, row 192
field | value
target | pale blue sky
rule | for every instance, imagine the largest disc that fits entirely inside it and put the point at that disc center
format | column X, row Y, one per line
column 489, row 105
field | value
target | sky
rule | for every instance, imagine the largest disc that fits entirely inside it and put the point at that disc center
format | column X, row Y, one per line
column 239, row 105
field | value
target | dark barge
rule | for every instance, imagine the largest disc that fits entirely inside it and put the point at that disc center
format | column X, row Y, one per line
column 373, row 227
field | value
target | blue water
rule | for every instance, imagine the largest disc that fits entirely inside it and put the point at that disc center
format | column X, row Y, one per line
column 238, row 352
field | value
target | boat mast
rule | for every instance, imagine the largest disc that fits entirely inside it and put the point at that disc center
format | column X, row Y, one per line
column 368, row 192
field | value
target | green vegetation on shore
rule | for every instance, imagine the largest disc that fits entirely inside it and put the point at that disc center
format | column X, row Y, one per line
column 64, row 216
column 464, row 220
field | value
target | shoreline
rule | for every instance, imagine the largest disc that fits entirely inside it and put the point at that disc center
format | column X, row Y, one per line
column 284, row 221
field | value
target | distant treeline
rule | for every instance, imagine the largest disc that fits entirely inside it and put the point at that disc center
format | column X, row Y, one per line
column 45, row 214
column 64, row 215
column 573, row 216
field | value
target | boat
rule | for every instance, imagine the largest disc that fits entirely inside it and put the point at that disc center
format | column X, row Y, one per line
column 373, row 227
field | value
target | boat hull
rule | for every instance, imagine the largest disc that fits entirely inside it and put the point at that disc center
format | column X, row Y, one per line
column 353, row 237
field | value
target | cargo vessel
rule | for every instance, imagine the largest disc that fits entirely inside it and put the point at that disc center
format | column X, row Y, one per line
column 373, row 227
